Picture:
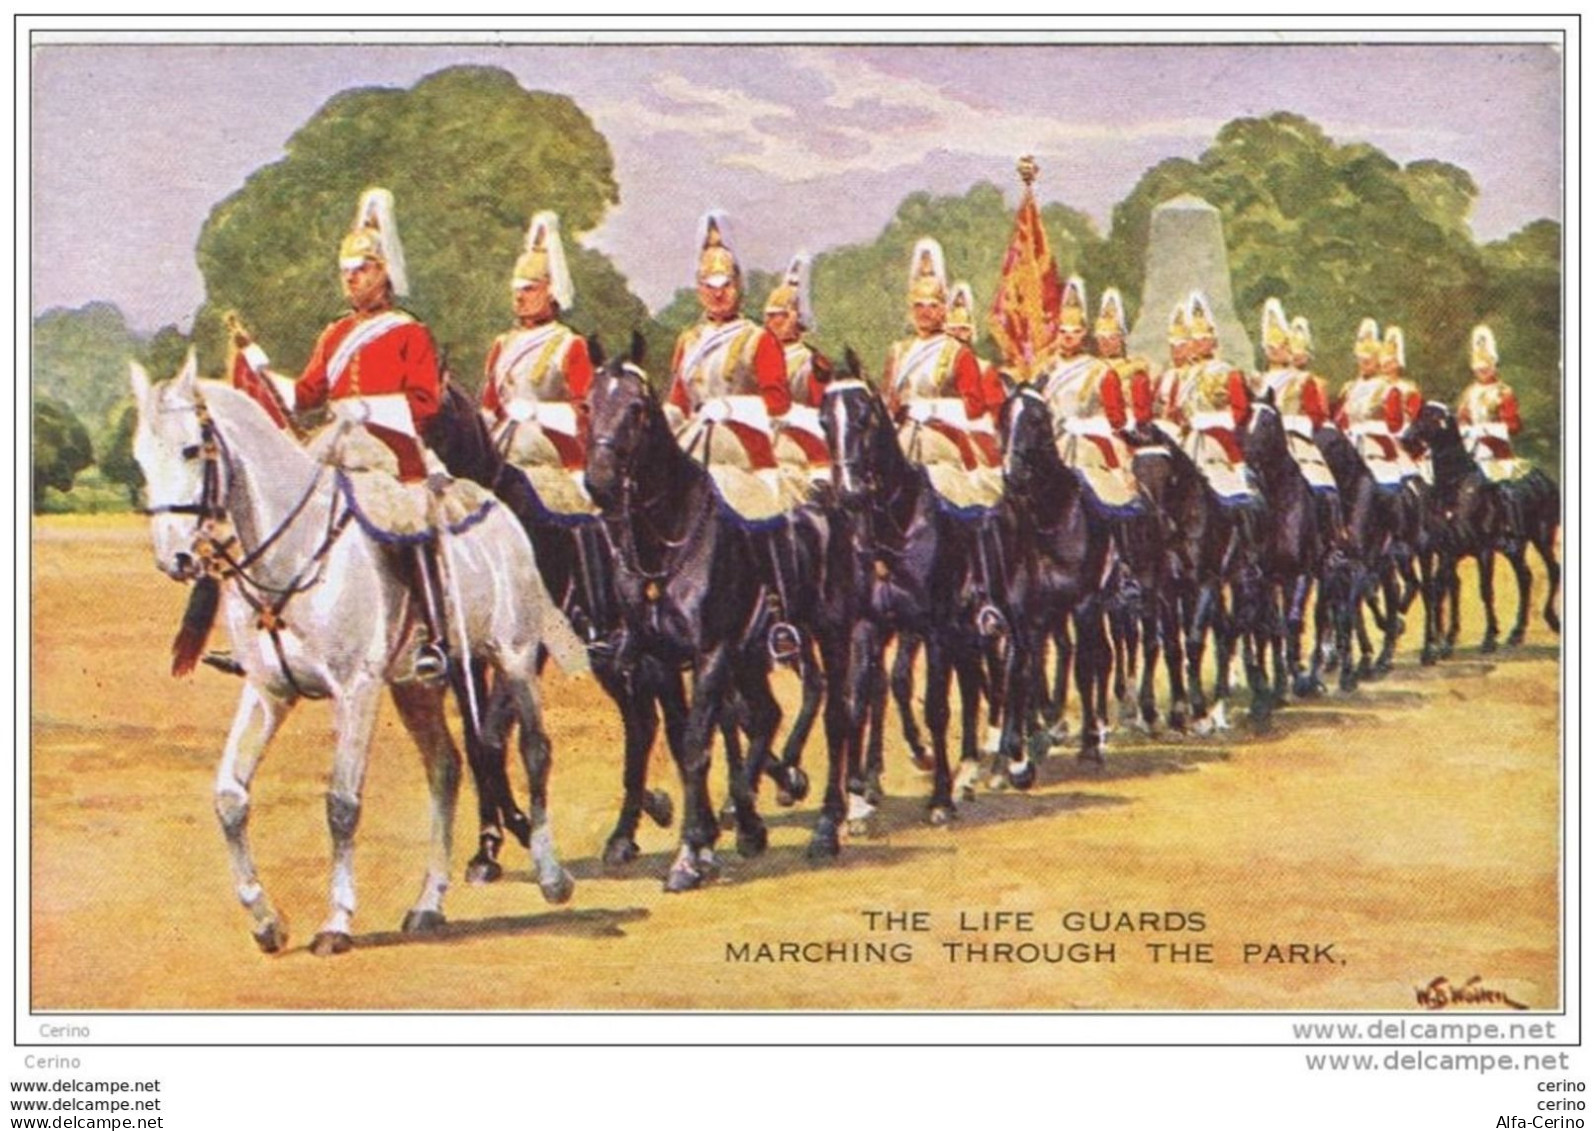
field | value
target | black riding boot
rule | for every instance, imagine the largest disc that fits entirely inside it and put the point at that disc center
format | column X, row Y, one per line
column 784, row 640
column 431, row 655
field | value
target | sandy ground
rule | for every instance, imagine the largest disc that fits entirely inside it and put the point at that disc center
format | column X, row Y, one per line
column 1414, row 826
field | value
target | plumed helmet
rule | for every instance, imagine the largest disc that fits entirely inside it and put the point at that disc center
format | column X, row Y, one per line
column 927, row 273
column 375, row 236
column 1179, row 325
column 1276, row 330
column 717, row 254
column 1110, row 316
column 1395, row 347
column 543, row 260
column 1485, row 355
column 1200, row 320
column 961, row 310
column 1367, row 346
column 1072, row 308
column 1301, row 336
column 792, row 293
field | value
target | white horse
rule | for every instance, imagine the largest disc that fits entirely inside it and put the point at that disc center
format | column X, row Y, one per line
column 316, row 611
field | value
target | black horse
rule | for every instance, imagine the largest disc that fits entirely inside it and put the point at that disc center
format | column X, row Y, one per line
column 693, row 584
column 919, row 579
column 576, row 562
column 1290, row 553
column 1066, row 547
column 1474, row 516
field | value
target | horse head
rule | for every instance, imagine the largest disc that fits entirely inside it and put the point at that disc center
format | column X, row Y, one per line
column 627, row 428
column 1266, row 445
column 1025, row 431
column 175, row 446
column 1433, row 427
column 854, row 422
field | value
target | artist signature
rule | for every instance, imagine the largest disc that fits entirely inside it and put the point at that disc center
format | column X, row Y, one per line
column 1440, row 993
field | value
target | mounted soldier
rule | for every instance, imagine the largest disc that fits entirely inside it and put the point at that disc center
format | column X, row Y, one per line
column 534, row 391
column 1365, row 410
column 789, row 317
column 961, row 325
column 1487, row 412
column 1295, row 392
column 728, row 382
column 1214, row 403
column 377, row 369
column 1404, row 400
column 1086, row 395
column 1162, row 409
column 934, row 390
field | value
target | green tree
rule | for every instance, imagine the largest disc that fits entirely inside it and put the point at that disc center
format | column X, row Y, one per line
column 116, row 461
column 469, row 156
column 1523, row 304
column 61, row 448
column 80, row 358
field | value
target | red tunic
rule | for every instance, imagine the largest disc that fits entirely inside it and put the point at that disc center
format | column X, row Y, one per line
column 401, row 360
column 768, row 372
column 576, row 368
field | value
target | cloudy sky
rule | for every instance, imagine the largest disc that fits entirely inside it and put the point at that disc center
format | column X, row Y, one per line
column 807, row 146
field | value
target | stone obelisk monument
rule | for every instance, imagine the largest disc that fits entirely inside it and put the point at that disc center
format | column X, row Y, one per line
column 1185, row 252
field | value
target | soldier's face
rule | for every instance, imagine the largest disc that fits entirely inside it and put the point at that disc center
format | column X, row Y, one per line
column 1367, row 366
column 1071, row 338
column 929, row 316
column 720, row 300
column 1301, row 360
column 533, row 302
column 366, row 285
column 965, row 334
column 783, row 324
column 1277, row 355
column 1110, row 345
column 1180, row 352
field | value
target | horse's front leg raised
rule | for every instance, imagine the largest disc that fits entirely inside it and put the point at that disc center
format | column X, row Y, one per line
column 257, row 718
column 421, row 709
column 355, row 717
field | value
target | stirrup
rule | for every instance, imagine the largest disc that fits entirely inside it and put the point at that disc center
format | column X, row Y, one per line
column 431, row 663
column 784, row 642
column 990, row 621
column 222, row 662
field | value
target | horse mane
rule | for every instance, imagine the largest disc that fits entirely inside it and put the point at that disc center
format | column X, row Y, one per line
column 1449, row 455
column 239, row 414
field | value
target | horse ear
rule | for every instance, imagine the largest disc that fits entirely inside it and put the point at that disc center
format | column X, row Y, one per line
column 189, row 374
column 854, row 369
column 1009, row 385
column 639, row 348
column 140, row 381
column 595, row 351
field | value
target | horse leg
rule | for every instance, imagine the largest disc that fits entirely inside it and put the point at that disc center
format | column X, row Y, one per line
column 995, row 653
column 640, row 722
column 495, row 800
column 421, row 710
column 968, row 664
column 865, row 777
column 1545, row 543
column 763, row 719
column 845, row 714
column 255, row 721
column 1492, row 629
column 1392, row 627
column 1174, row 661
column 866, row 705
column 1058, row 702
column 1017, row 766
column 1146, row 715
column 938, row 678
column 1199, row 618
column 733, row 723
column 903, row 695
column 522, row 689
column 791, row 783
column 695, row 861
column 355, row 718
column 1224, row 639
column 1431, row 619
column 1517, row 556
column 1090, row 668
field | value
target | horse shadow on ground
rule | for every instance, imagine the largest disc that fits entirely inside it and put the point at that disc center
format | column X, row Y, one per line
column 774, row 862
column 596, row 923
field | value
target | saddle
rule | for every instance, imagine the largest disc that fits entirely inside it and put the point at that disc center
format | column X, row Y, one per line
column 1217, row 454
column 545, row 444
column 1314, row 468
column 1384, row 457
column 1492, row 450
column 960, row 455
column 734, row 439
column 387, row 508
column 1102, row 462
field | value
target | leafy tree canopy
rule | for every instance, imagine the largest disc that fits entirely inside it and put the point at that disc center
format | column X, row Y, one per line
column 469, row 156
column 61, row 447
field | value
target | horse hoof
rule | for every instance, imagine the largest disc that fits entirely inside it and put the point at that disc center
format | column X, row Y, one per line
column 620, row 852
column 558, row 890
column 483, row 870
column 1427, row 658
column 1091, row 756
column 660, row 809
column 874, row 792
column 1446, row 649
column 683, row 877
column 940, row 815
column 1023, row 775
column 272, row 938
column 1489, row 645
column 728, row 817
column 797, row 787
column 922, row 760
column 328, row 943
column 420, row 922
column 825, row 844
column 752, row 842
column 1177, row 722
column 1554, row 623
column 1365, row 669
column 964, row 782
column 1515, row 639
column 997, row 781
column 1384, row 666
column 1304, row 686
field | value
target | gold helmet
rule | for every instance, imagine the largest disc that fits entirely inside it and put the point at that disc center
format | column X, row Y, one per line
column 1485, row 355
column 375, row 237
column 927, row 273
column 961, row 310
column 1395, row 347
column 792, row 292
column 1179, row 325
column 1110, row 316
column 1201, row 319
column 543, row 260
column 1301, row 337
column 717, row 256
column 1071, row 310
column 1276, row 330
column 1367, row 346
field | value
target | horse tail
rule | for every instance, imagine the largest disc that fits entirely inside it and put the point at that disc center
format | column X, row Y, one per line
column 560, row 638
column 198, row 618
